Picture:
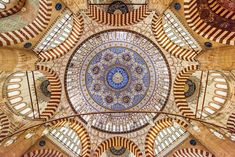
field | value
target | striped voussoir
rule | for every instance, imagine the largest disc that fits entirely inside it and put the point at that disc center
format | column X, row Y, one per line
column 13, row 9
column 203, row 28
column 55, row 87
column 220, row 10
column 179, row 89
column 31, row 30
column 231, row 123
column 154, row 131
column 5, row 125
column 130, row 18
column 44, row 153
column 192, row 152
column 81, row 132
column 118, row 142
column 68, row 44
column 168, row 45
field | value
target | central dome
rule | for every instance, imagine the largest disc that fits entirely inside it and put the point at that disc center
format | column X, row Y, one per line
column 117, row 70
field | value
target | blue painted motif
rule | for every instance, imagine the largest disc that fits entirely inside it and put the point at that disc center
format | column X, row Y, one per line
column 118, row 106
column 117, row 50
column 58, row 6
column 111, row 75
column 96, row 59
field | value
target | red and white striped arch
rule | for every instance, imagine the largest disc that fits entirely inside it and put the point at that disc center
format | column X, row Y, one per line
column 81, row 132
column 118, row 142
column 192, row 152
column 68, row 44
column 231, row 123
column 205, row 29
column 179, row 89
column 44, row 153
column 154, row 131
column 5, row 125
column 16, row 8
column 31, row 30
column 220, row 10
column 55, row 87
column 168, row 45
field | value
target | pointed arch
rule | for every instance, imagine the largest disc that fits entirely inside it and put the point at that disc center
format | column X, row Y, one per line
column 68, row 44
column 179, row 87
column 31, row 30
column 56, row 89
column 80, row 130
column 116, row 142
column 168, row 45
column 155, row 130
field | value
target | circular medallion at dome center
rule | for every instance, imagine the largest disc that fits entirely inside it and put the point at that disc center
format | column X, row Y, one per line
column 117, row 78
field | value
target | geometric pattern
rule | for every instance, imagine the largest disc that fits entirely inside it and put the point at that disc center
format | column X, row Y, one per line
column 148, row 78
column 117, row 78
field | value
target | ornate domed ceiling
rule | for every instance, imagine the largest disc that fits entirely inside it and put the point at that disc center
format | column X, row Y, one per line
column 128, row 78
column 119, row 70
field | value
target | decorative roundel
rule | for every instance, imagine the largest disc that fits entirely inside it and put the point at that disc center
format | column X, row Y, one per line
column 193, row 142
column 177, row 6
column 42, row 143
column 27, row 45
column 58, row 6
column 117, row 70
column 117, row 77
column 208, row 44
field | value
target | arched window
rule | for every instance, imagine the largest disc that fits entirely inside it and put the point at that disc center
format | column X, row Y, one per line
column 177, row 33
column 58, row 33
column 27, row 93
column 67, row 138
column 169, row 137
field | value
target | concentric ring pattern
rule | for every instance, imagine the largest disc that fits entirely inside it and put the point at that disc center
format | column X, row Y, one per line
column 117, row 70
